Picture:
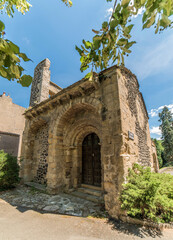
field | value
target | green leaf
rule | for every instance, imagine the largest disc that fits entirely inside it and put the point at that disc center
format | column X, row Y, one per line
column 87, row 44
column 70, row 3
column 3, row 72
column 165, row 21
column 122, row 41
column 97, row 42
column 15, row 70
column 145, row 16
column 2, row 26
column 89, row 76
column 129, row 44
column 126, row 50
column 96, row 32
column 14, row 47
column 24, row 57
column 79, row 50
column 114, row 23
column 25, row 80
column 157, row 28
column 150, row 22
column 128, row 28
column 124, row 2
column 104, row 25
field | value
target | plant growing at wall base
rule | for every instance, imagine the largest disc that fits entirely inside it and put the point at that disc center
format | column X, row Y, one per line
column 9, row 171
column 160, row 152
column 148, row 195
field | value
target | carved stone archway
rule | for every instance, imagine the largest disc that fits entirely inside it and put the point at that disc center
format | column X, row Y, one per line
column 65, row 146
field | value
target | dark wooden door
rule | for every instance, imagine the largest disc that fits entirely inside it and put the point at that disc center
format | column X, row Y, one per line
column 91, row 162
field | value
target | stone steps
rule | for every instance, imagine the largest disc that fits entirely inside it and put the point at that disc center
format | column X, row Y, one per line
column 89, row 193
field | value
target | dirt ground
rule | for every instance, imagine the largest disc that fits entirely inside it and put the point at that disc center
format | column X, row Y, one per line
column 24, row 224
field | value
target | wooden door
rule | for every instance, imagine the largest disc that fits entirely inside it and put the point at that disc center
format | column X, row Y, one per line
column 91, row 162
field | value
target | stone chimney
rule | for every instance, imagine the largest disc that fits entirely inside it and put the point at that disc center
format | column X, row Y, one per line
column 41, row 82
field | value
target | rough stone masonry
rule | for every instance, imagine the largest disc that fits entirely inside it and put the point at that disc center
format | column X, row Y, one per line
column 88, row 133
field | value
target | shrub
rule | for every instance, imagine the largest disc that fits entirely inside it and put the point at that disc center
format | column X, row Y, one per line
column 148, row 195
column 9, row 171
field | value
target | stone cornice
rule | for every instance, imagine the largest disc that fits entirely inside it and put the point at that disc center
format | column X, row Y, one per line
column 76, row 90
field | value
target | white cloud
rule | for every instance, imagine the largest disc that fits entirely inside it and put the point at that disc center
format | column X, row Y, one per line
column 140, row 11
column 156, row 60
column 26, row 40
column 154, row 112
column 109, row 13
column 110, row 10
column 155, row 130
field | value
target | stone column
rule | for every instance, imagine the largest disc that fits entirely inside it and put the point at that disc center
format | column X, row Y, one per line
column 56, row 166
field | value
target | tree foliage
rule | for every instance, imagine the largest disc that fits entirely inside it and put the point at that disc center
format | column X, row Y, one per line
column 109, row 44
column 166, row 127
column 148, row 195
column 9, row 171
column 67, row 2
column 113, row 41
column 10, row 55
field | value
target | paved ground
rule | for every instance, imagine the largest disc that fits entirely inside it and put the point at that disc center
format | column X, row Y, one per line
column 62, row 203
column 23, row 224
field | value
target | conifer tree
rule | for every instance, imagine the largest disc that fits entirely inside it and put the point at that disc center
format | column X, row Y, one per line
column 166, row 127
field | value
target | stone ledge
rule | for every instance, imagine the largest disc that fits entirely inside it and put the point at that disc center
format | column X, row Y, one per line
column 36, row 186
column 160, row 226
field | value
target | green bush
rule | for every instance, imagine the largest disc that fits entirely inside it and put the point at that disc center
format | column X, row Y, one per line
column 9, row 171
column 148, row 195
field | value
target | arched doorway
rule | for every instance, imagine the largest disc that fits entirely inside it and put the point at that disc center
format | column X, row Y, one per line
column 91, row 160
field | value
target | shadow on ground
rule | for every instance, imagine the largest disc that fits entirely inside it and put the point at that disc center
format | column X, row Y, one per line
column 118, row 225
column 135, row 230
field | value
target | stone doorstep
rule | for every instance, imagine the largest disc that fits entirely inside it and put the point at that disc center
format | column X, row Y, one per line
column 90, row 191
column 91, row 187
column 36, row 186
column 87, row 196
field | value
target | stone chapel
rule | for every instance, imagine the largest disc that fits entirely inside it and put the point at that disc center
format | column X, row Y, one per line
column 86, row 135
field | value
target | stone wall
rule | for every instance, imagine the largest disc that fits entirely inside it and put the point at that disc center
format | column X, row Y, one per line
column 135, row 127
column 9, row 142
column 110, row 106
column 12, row 122
column 40, row 154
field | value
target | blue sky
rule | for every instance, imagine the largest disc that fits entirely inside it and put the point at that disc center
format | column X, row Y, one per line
column 51, row 30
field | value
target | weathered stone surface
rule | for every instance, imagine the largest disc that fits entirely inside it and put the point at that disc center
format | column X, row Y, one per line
column 112, row 107
column 61, row 203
